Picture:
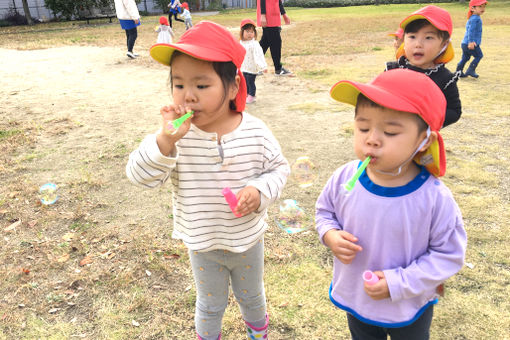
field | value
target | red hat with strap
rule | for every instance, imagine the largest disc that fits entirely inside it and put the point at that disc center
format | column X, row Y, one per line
column 475, row 3
column 407, row 91
column 210, row 42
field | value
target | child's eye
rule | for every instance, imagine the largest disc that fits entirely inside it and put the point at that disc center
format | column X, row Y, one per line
column 202, row 87
column 177, row 86
column 363, row 130
column 390, row 134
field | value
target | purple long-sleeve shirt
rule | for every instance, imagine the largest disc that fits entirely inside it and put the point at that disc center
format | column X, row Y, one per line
column 413, row 233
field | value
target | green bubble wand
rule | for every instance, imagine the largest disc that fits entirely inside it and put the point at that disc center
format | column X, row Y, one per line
column 351, row 182
column 178, row 122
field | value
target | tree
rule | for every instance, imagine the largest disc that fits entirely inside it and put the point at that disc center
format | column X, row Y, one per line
column 26, row 9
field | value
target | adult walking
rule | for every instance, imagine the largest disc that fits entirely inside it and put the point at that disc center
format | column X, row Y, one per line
column 269, row 13
column 129, row 18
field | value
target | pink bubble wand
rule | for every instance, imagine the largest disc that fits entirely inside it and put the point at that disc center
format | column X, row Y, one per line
column 231, row 199
column 370, row 278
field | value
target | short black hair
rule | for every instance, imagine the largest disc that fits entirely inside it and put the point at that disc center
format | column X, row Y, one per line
column 416, row 25
column 365, row 101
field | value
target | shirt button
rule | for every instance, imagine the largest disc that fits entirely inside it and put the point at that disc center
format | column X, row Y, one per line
column 214, row 139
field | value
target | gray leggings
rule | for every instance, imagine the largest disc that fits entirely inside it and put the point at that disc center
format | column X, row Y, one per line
column 212, row 272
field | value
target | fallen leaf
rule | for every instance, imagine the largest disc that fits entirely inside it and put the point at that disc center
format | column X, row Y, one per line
column 86, row 260
column 32, row 223
column 171, row 256
column 63, row 258
column 148, row 273
column 12, row 226
column 135, row 323
column 25, row 271
column 53, row 310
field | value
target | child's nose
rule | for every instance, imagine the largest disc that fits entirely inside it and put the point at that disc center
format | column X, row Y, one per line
column 189, row 96
column 373, row 139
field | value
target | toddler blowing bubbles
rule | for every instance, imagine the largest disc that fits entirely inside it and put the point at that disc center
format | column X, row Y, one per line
column 399, row 220
column 220, row 146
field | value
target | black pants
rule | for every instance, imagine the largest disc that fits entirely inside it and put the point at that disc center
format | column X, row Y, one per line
column 131, row 35
column 272, row 39
column 250, row 83
column 418, row 330
column 175, row 17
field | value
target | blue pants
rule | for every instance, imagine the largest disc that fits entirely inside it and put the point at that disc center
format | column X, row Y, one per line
column 418, row 330
column 212, row 272
column 476, row 53
column 250, row 83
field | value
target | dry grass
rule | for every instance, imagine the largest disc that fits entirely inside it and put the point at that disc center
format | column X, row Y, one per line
column 139, row 275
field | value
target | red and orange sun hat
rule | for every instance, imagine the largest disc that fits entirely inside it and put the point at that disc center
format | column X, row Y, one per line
column 207, row 41
column 407, row 91
column 440, row 19
column 475, row 3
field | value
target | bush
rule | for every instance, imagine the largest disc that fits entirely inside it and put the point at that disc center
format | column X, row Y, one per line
column 344, row 3
column 13, row 18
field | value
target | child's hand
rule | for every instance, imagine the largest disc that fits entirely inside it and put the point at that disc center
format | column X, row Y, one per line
column 342, row 245
column 168, row 136
column 472, row 45
column 248, row 200
column 286, row 19
column 169, row 114
column 379, row 290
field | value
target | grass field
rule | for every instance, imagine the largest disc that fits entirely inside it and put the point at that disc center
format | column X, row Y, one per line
column 100, row 263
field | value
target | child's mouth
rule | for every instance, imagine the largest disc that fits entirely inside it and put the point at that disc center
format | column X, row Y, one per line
column 418, row 55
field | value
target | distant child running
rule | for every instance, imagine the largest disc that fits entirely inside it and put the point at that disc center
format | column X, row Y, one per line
column 399, row 221
column 254, row 61
column 426, row 49
column 186, row 15
column 165, row 32
column 219, row 147
column 472, row 39
column 174, row 9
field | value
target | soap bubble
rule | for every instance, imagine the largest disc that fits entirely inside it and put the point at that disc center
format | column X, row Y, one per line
column 292, row 218
column 48, row 193
column 304, row 171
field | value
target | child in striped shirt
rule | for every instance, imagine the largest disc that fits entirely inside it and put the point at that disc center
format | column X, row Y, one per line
column 220, row 146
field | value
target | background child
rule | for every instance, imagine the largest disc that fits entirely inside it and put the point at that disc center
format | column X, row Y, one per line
column 254, row 61
column 398, row 221
column 426, row 49
column 472, row 39
column 186, row 15
column 220, row 146
column 175, row 8
column 165, row 32
column 398, row 36
column 269, row 17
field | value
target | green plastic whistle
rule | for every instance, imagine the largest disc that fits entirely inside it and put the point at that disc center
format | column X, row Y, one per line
column 350, row 183
column 178, row 122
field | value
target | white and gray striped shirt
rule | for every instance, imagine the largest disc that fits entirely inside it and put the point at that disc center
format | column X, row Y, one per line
column 249, row 155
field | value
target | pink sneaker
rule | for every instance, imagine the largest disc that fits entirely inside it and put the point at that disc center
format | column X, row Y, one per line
column 250, row 99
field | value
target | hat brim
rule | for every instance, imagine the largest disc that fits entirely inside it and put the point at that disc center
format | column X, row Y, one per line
column 162, row 53
column 347, row 92
column 445, row 57
column 434, row 23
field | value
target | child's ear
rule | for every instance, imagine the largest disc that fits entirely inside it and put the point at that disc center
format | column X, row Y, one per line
column 235, row 88
column 432, row 139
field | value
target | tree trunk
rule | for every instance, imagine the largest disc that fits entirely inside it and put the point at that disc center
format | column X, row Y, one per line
column 27, row 12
